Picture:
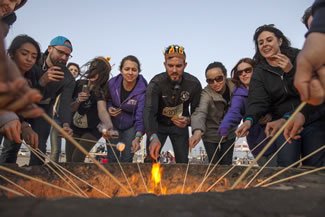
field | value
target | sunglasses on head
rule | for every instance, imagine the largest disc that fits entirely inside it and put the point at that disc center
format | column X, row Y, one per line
column 247, row 71
column 217, row 79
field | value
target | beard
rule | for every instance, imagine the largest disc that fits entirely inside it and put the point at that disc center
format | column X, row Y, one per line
column 57, row 62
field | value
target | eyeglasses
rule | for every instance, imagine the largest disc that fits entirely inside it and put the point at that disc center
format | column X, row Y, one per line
column 62, row 53
column 247, row 71
column 218, row 79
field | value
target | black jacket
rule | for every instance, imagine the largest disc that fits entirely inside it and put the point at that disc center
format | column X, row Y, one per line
column 65, row 87
column 272, row 91
column 164, row 99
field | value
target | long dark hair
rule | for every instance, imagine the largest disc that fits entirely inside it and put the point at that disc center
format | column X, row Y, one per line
column 285, row 46
column 234, row 75
column 101, row 67
column 19, row 41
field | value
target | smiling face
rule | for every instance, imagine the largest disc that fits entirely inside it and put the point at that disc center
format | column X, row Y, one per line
column 245, row 71
column 130, row 72
column 268, row 44
column 175, row 68
column 25, row 57
column 215, row 74
column 8, row 6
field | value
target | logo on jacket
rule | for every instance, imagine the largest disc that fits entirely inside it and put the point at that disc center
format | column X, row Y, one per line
column 131, row 102
column 185, row 96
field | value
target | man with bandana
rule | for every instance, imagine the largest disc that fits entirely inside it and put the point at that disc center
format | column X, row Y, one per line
column 171, row 98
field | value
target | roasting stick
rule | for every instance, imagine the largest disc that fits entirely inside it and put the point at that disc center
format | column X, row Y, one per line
column 94, row 141
column 37, row 180
column 302, row 104
column 62, row 168
column 74, row 142
column 11, row 191
column 294, row 176
column 206, row 172
column 144, row 183
column 51, row 168
column 56, row 165
column 290, row 166
column 109, row 144
column 200, row 186
column 188, row 165
column 18, row 186
column 214, row 154
column 275, row 153
column 259, row 144
column 226, row 173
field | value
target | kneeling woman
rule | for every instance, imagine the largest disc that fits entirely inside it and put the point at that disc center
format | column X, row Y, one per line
column 125, row 106
column 214, row 103
column 90, row 108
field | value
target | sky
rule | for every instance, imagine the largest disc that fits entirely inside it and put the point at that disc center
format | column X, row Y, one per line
column 209, row 30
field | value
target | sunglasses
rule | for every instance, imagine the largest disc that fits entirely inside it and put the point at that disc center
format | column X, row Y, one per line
column 247, row 71
column 218, row 79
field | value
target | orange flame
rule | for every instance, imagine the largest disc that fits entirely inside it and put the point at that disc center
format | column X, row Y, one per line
column 156, row 173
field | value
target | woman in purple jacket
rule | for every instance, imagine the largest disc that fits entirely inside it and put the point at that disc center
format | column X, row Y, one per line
column 125, row 106
column 241, row 76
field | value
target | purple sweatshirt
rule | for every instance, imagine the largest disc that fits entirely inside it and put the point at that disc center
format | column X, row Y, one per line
column 132, row 107
column 233, row 117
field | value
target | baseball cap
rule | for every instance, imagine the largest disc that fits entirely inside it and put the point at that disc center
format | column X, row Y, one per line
column 59, row 41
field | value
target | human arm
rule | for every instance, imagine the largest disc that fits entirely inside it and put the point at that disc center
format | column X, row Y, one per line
column 259, row 100
column 310, row 75
column 11, row 126
column 234, row 114
column 30, row 137
column 150, row 109
column 103, row 115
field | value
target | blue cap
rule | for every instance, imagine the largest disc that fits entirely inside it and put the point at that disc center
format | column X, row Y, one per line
column 59, row 41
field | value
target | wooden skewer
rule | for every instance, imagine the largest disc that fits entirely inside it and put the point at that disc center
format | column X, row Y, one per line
column 259, row 144
column 80, row 179
column 188, row 165
column 226, row 173
column 294, row 176
column 302, row 104
column 74, row 142
column 18, row 186
column 290, row 166
column 11, row 191
column 214, row 154
column 275, row 153
column 144, row 183
column 224, row 154
column 120, row 167
column 93, row 141
column 37, row 180
column 78, row 190
column 51, row 168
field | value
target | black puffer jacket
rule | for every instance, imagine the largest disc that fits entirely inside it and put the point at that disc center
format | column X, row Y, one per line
column 271, row 90
column 165, row 99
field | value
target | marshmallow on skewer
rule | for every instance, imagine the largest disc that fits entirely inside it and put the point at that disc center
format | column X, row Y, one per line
column 120, row 146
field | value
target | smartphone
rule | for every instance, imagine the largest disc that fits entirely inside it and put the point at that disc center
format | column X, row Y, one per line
column 85, row 88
